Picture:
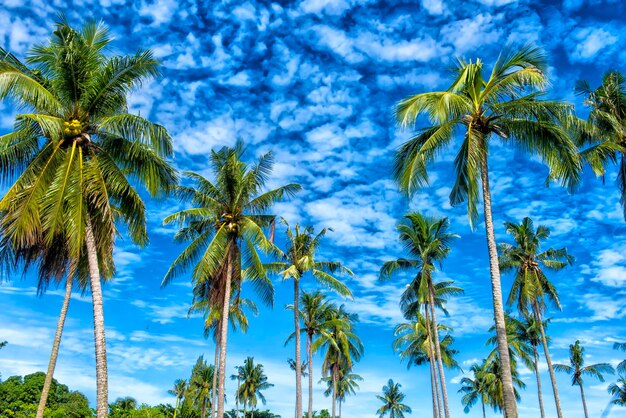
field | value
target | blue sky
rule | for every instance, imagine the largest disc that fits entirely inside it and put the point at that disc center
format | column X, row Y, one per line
column 315, row 81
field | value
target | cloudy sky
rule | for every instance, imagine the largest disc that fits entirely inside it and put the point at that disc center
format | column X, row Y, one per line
column 315, row 81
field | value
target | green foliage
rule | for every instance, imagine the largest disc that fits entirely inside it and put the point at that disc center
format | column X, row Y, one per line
column 19, row 398
column 252, row 383
column 321, row 414
column 392, row 401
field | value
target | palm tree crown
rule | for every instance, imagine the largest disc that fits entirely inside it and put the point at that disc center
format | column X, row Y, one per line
column 392, row 401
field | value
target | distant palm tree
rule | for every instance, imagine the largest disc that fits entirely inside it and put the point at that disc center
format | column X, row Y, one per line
column 476, row 388
column 253, row 383
column 493, row 374
column 577, row 369
column 316, row 316
column 531, row 287
column 124, row 405
column 346, row 385
column 392, row 401
column 602, row 136
column 74, row 159
column 618, row 390
column 179, row 390
column 298, row 260
column 200, row 385
column 529, row 332
column 428, row 242
column 224, row 227
column 621, row 367
column 414, row 343
column 343, row 347
column 508, row 105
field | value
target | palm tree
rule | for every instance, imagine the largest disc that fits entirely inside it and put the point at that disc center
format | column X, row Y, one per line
column 346, row 385
column 602, row 135
column 415, row 344
column 528, row 331
column 476, row 387
column 179, row 390
column 124, row 405
column 200, row 385
column 507, row 105
column 225, row 230
column 253, row 382
column 428, row 241
column 618, row 390
column 577, row 369
column 343, row 347
column 621, row 367
column 531, row 288
column 316, row 316
column 495, row 390
column 299, row 259
column 392, row 401
column 71, row 158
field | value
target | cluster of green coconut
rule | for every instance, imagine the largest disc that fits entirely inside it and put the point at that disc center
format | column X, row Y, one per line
column 73, row 127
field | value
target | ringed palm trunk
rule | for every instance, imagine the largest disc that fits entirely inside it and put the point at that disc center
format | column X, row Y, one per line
column 102, row 405
column 55, row 346
column 334, row 392
column 296, row 320
column 582, row 395
column 215, row 372
column 540, row 396
column 546, row 351
column 510, row 404
column 309, row 351
column 442, row 381
column 433, row 369
column 224, row 329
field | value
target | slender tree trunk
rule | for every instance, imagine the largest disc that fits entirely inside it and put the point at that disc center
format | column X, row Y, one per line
column 55, row 346
column 296, row 320
column 203, row 409
column 546, row 351
column 510, row 403
column 102, row 403
column 483, row 405
column 334, row 392
column 309, row 351
column 539, row 394
column 177, row 406
column 433, row 387
column 442, row 381
column 582, row 395
column 224, row 330
column 340, row 402
column 433, row 367
column 215, row 372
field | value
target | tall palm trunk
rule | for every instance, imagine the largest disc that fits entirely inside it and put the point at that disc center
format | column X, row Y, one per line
column 203, row 408
column 340, row 402
column 482, row 402
column 334, row 392
column 177, row 406
column 309, row 351
column 582, row 395
column 224, row 328
column 55, row 346
column 510, row 404
column 540, row 396
column 237, row 398
column 433, row 369
column 215, row 372
column 544, row 342
column 102, row 403
column 296, row 320
column 442, row 381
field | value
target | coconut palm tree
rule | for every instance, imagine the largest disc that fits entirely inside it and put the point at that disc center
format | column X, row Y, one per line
column 495, row 391
column 618, row 390
column 179, row 390
column 476, row 388
column 414, row 343
column 528, row 331
column 297, row 261
column 200, row 385
column 253, row 382
column 602, row 135
column 428, row 242
column 225, row 229
column 346, row 385
column 316, row 316
column 507, row 104
column 392, row 401
column 342, row 347
column 621, row 367
column 74, row 159
column 577, row 369
column 531, row 288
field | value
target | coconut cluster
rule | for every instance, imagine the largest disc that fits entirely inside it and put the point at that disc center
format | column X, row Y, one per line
column 73, row 127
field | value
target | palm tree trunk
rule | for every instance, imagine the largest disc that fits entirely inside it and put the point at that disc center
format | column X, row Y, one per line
column 177, row 406
column 224, row 329
column 203, row 409
column 215, row 372
column 510, row 404
column 544, row 341
column 543, row 415
column 237, row 397
column 483, row 405
column 433, row 387
column 102, row 403
column 296, row 320
column 55, row 346
column 340, row 407
column 433, row 368
column 442, row 381
column 309, row 350
column 582, row 395
column 334, row 392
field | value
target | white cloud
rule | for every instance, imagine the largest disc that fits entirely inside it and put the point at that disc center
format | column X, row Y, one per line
column 585, row 43
column 467, row 34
